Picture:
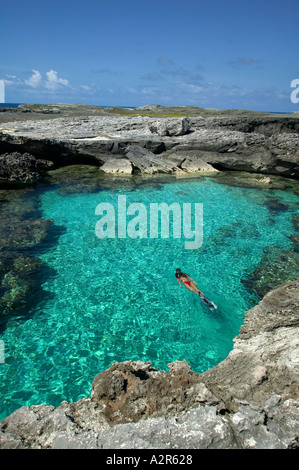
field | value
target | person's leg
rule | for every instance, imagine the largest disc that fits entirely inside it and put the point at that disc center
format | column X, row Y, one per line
column 192, row 287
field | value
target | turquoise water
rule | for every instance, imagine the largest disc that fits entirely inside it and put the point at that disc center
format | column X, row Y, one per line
column 117, row 299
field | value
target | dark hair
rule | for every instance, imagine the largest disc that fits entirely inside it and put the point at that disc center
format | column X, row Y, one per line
column 178, row 273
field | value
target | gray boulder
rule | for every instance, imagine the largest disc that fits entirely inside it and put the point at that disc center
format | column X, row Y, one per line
column 117, row 165
column 146, row 161
column 171, row 127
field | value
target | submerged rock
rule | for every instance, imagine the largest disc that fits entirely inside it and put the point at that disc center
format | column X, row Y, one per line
column 19, row 278
column 295, row 220
column 275, row 206
column 276, row 267
column 21, row 233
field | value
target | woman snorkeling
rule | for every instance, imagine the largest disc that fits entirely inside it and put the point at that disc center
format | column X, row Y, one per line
column 191, row 285
column 188, row 282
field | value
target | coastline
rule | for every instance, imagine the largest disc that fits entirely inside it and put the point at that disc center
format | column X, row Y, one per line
column 154, row 139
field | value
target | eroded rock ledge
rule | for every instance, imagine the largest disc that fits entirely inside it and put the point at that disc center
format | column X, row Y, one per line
column 250, row 400
column 153, row 143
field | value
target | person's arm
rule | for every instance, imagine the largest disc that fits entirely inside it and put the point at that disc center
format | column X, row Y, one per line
column 179, row 282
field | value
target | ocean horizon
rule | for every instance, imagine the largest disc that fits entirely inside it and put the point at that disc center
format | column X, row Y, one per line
column 16, row 105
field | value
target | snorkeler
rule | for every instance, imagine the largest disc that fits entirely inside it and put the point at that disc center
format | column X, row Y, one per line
column 190, row 284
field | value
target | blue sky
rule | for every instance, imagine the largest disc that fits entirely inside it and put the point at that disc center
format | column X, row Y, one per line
column 212, row 53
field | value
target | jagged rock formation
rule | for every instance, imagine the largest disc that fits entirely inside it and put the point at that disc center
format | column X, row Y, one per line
column 250, row 400
column 16, row 168
column 258, row 143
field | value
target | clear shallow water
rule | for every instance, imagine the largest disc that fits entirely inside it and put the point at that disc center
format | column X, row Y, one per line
column 117, row 299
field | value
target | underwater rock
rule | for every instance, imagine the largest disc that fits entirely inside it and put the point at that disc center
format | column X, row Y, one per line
column 276, row 267
column 24, row 233
column 21, row 231
column 20, row 272
column 251, row 180
column 19, row 278
column 76, row 179
column 294, row 237
column 274, row 206
column 295, row 220
column 20, row 226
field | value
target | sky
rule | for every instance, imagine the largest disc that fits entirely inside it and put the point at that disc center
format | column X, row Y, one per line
column 208, row 53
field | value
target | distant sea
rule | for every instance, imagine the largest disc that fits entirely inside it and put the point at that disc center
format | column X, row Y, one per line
column 9, row 105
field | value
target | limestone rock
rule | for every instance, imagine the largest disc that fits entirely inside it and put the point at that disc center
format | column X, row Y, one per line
column 131, row 391
column 264, row 360
column 117, row 165
column 261, row 144
column 197, row 164
column 146, row 161
column 171, row 127
column 200, row 428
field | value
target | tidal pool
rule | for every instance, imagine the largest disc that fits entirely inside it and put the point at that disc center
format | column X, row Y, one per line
column 117, row 299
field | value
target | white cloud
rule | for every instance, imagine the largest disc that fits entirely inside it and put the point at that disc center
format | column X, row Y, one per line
column 53, row 82
column 35, row 80
column 41, row 87
column 86, row 87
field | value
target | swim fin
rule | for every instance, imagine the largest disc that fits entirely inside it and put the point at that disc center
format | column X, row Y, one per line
column 206, row 301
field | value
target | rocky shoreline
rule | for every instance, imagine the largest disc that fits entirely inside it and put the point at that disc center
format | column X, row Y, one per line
column 148, row 140
column 250, row 400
